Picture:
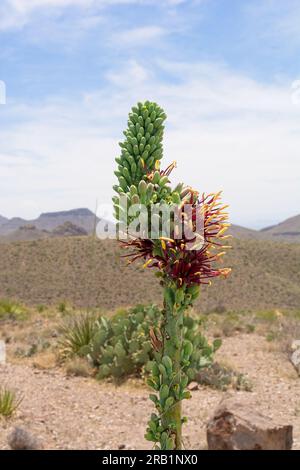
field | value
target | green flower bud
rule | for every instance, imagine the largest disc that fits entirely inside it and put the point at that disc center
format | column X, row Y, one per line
column 163, row 181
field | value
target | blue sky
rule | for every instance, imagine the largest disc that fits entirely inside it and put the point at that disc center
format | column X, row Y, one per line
column 226, row 72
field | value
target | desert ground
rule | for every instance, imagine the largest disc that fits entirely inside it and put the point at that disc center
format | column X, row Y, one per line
column 68, row 411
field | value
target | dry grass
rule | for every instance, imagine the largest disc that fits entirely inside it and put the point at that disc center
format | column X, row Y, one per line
column 9, row 402
column 278, row 327
column 78, row 367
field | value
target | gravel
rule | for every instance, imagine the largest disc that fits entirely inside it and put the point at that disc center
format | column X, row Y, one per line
column 81, row 413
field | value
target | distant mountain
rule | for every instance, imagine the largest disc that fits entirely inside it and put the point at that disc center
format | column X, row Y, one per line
column 10, row 225
column 241, row 232
column 3, row 220
column 79, row 221
column 30, row 232
column 83, row 218
column 69, row 230
column 287, row 230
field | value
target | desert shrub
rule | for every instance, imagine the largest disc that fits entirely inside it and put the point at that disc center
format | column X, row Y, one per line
column 78, row 367
column 295, row 314
column 77, row 333
column 220, row 308
column 121, row 345
column 250, row 328
column 35, row 347
column 10, row 310
column 41, row 308
column 232, row 324
column 9, row 402
column 267, row 315
column 62, row 307
column 272, row 336
column 222, row 377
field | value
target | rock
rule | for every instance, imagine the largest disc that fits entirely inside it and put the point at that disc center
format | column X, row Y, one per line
column 20, row 439
column 295, row 360
column 193, row 386
column 295, row 345
column 238, row 426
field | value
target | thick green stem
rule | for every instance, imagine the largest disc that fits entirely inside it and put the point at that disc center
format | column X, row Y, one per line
column 172, row 347
column 170, row 369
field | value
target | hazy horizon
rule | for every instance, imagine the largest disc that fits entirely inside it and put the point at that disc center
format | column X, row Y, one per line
column 111, row 218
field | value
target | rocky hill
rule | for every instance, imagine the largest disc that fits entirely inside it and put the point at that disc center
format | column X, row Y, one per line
column 49, row 224
column 90, row 273
column 288, row 230
column 3, row 220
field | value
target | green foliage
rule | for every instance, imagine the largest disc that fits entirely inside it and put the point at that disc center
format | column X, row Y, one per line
column 223, row 377
column 41, row 308
column 120, row 346
column 10, row 310
column 77, row 333
column 271, row 336
column 184, row 354
column 132, row 352
column 62, row 307
column 9, row 402
column 250, row 328
column 267, row 315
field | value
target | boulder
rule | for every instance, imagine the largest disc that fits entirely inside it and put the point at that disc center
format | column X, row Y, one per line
column 239, row 426
column 193, row 386
column 295, row 354
column 295, row 360
column 21, row 439
column 2, row 352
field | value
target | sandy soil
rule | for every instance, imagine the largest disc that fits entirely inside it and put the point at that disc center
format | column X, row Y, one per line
column 79, row 413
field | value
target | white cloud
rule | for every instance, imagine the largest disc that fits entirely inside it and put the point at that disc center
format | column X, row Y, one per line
column 224, row 129
column 138, row 37
column 17, row 13
column 132, row 75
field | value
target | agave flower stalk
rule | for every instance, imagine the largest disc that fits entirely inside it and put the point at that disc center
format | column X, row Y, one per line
column 183, row 262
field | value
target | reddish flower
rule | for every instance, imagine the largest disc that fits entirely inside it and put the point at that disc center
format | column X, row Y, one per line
column 189, row 261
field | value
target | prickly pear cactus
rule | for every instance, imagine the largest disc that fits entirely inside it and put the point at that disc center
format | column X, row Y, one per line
column 183, row 262
column 121, row 344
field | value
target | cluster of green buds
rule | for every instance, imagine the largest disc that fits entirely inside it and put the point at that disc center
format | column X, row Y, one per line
column 139, row 176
